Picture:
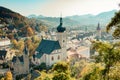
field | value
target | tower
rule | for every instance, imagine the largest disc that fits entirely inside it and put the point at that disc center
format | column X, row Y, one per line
column 62, row 38
column 98, row 31
column 26, row 59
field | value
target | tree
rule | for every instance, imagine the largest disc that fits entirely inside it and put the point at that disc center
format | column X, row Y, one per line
column 43, row 28
column 8, row 76
column 109, row 54
column 20, row 45
column 77, row 67
column 61, row 67
column 92, row 72
column 30, row 31
column 61, row 71
column 14, row 42
column 115, row 22
column 32, row 44
column 61, row 76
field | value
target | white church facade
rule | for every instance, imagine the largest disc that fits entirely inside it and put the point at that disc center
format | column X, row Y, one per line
column 52, row 51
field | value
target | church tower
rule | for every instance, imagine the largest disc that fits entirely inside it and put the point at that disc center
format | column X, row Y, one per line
column 98, row 31
column 62, row 38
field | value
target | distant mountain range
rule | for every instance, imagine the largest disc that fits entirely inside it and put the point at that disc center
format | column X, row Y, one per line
column 88, row 20
column 76, row 21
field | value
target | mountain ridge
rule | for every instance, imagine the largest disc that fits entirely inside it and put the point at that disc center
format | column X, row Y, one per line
column 88, row 20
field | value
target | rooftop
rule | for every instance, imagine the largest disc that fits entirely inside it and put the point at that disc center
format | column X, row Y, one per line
column 47, row 46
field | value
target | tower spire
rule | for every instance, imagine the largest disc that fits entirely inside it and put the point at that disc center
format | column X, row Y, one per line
column 60, row 28
column 98, row 27
column 61, row 18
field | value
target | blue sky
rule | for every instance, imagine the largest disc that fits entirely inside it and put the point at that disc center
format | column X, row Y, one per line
column 55, row 7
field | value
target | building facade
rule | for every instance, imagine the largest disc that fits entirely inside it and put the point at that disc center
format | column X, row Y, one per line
column 20, row 64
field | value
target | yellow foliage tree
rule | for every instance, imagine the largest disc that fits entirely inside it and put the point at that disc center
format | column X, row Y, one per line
column 20, row 45
column 15, row 43
column 8, row 76
column 30, row 31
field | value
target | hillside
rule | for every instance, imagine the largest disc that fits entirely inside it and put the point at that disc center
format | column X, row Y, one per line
column 7, row 13
column 13, row 21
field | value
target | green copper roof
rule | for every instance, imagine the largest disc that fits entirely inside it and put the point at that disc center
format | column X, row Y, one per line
column 47, row 46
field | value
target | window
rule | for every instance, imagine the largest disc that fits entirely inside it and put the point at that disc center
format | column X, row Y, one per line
column 63, row 40
column 52, row 58
column 58, row 57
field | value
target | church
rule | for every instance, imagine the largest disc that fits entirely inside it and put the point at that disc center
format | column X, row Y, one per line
column 52, row 51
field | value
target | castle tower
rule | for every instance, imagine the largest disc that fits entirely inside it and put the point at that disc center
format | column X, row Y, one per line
column 98, row 31
column 62, row 38
column 26, row 59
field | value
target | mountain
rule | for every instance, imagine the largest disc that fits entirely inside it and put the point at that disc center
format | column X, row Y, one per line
column 32, row 16
column 35, row 16
column 88, row 20
column 54, row 21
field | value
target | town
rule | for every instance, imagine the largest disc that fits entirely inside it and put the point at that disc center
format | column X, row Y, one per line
column 59, row 48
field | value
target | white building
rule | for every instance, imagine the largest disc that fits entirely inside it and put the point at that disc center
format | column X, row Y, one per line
column 51, row 51
column 5, row 42
column 84, row 51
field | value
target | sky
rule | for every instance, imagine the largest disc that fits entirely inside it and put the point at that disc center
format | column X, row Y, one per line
column 55, row 7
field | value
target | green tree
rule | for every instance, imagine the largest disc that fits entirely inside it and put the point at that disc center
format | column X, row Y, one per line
column 92, row 72
column 61, row 71
column 61, row 76
column 109, row 54
column 115, row 22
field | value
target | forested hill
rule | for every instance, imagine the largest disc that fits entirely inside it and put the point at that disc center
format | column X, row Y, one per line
column 7, row 13
column 15, row 21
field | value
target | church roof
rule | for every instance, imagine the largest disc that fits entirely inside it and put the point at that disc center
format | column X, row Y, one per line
column 2, row 54
column 47, row 46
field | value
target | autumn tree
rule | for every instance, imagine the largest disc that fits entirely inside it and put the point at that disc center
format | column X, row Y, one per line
column 8, row 76
column 43, row 28
column 30, row 31
column 32, row 43
column 19, row 45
